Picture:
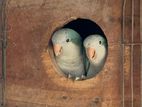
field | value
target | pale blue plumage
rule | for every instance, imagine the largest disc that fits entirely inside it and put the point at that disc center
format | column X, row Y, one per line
column 70, row 59
column 99, row 44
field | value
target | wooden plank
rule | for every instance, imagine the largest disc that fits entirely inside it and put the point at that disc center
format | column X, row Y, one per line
column 131, row 57
column 1, row 94
column 132, row 76
column 141, row 45
column 127, row 77
column 137, row 38
column 12, row 103
column 1, row 37
column 137, row 75
column 127, row 21
column 109, row 19
column 2, row 16
column 53, row 90
column 28, row 62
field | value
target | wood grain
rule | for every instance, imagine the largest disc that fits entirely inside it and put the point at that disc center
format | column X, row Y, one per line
column 32, row 79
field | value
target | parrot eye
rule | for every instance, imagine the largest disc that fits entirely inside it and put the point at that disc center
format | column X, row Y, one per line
column 100, row 42
column 67, row 40
column 88, row 44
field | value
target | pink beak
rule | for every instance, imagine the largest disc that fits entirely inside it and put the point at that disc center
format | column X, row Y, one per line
column 57, row 49
column 91, row 53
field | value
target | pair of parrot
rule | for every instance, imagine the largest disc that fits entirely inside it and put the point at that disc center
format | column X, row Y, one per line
column 79, row 60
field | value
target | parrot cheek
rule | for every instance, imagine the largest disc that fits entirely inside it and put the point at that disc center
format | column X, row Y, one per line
column 91, row 53
column 57, row 49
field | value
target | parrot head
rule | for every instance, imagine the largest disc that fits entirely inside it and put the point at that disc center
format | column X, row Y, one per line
column 95, row 46
column 63, row 37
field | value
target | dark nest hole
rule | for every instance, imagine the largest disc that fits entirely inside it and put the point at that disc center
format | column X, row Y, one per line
column 85, row 27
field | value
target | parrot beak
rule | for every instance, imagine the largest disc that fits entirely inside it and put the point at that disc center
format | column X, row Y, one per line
column 91, row 53
column 57, row 49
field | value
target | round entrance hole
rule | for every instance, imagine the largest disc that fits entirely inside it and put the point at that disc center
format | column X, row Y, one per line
column 79, row 49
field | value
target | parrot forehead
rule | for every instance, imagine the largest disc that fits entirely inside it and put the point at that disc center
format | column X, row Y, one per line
column 63, row 34
column 93, row 40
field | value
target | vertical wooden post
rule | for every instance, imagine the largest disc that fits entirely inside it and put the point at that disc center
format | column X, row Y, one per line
column 2, row 52
column 141, row 45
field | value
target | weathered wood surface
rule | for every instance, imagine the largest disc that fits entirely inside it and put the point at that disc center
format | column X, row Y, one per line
column 132, row 55
column 141, row 40
column 1, row 40
column 1, row 52
column 31, row 77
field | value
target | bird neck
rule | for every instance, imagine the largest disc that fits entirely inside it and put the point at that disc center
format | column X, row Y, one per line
column 71, row 50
